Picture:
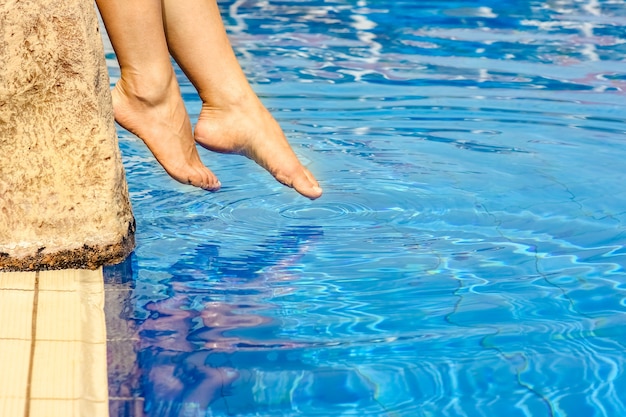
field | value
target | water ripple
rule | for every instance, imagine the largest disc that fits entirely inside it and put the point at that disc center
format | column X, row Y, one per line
column 329, row 211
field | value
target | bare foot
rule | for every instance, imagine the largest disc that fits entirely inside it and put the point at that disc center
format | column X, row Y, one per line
column 162, row 122
column 250, row 130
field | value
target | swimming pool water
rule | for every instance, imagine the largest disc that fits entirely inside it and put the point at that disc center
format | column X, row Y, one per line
column 466, row 259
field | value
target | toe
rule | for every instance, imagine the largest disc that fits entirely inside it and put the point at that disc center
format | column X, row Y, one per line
column 209, row 181
column 307, row 185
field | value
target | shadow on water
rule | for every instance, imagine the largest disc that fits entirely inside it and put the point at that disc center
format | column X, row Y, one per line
column 201, row 343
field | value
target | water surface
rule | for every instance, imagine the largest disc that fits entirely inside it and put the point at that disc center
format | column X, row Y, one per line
column 467, row 257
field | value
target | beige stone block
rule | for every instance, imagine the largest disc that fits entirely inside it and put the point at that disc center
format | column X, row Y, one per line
column 64, row 197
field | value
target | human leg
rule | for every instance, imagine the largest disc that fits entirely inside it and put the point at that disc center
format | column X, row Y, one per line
column 146, row 99
column 232, row 119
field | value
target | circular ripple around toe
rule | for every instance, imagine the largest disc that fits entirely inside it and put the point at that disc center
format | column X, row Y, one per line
column 324, row 212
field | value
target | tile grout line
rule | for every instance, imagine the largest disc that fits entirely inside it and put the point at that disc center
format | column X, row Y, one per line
column 32, row 346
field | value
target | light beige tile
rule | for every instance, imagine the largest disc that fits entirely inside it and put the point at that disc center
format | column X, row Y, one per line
column 14, row 367
column 94, row 386
column 16, row 306
column 12, row 406
column 54, row 408
column 16, row 314
column 94, row 408
column 69, row 370
column 56, row 370
column 94, row 276
column 93, row 328
column 68, row 408
column 58, row 316
column 62, row 280
column 69, row 279
column 70, row 339
column 70, row 308
column 93, row 325
column 92, row 294
column 17, row 280
column 75, row 365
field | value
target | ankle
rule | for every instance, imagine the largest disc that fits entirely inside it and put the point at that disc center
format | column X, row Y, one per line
column 232, row 100
column 149, row 89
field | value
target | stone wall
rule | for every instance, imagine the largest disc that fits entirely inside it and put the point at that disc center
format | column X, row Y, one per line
column 63, row 193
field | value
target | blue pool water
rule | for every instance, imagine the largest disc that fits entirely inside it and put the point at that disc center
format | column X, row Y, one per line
column 466, row 259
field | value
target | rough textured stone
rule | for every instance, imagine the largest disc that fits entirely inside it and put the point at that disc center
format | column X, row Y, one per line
column 63, row 193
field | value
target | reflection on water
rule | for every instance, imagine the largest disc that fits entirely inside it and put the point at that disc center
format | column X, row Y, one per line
column 467, row 258
column 186, row 340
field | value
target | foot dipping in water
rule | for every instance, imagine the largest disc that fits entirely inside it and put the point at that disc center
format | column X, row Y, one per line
column 147, row 100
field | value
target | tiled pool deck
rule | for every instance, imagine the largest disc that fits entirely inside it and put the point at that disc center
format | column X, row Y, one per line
column 53, row 344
